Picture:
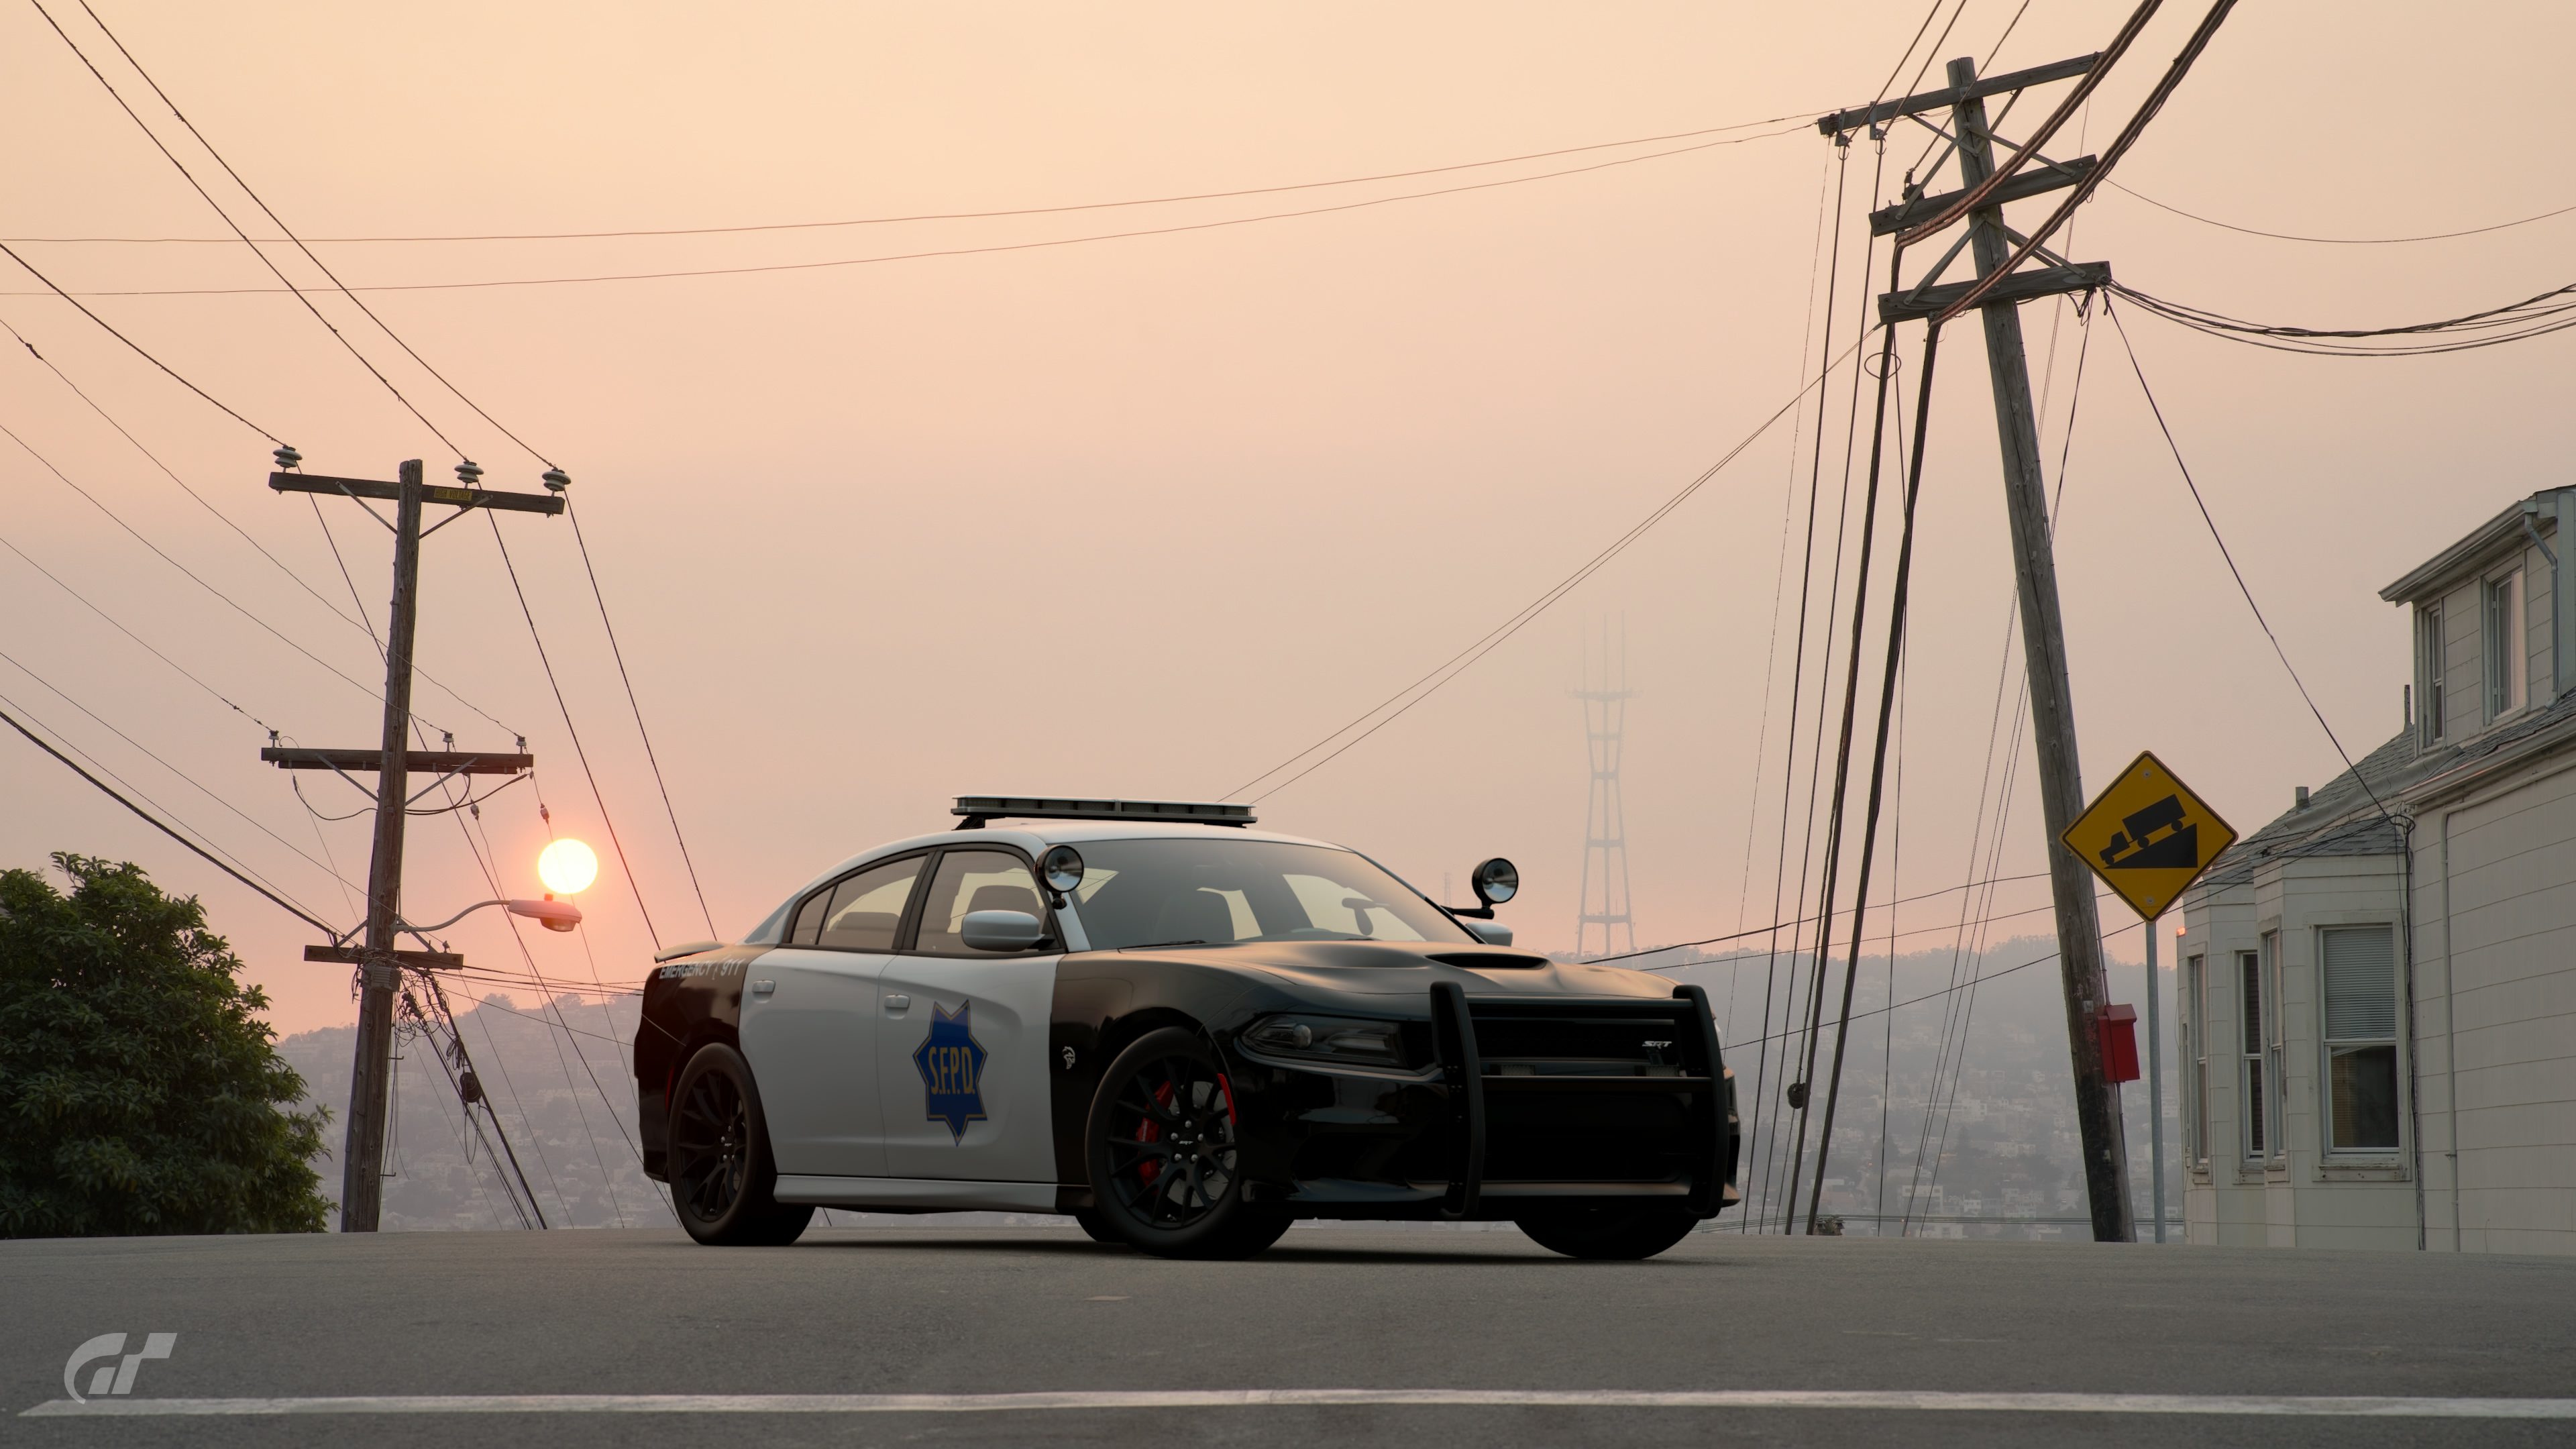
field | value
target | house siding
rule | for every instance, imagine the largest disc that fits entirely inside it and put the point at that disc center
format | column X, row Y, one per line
column 2512, row 959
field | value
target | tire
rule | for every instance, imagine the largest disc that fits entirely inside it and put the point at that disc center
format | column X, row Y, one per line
column 1620, row 1234
column 721, row 1171
column 1096, row 1227
column 1162, row 1153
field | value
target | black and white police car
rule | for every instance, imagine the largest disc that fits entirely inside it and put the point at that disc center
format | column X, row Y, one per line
column 1184, row 1033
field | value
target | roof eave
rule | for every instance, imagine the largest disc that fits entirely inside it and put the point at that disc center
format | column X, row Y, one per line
column 2438, row 569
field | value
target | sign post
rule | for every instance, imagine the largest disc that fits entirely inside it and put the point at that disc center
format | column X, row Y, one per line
column 2149, row 837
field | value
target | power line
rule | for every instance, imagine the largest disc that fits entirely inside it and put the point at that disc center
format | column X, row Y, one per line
column 951, row 215
column 148, row 648
column 147, row 752
column 1968, row 985
column 483, row 863
column 1458, row 663
column 273, row 217
column 408, row 351
column 579, row 752
column 2111, row 154
column 1779, row 586
column 273, row 898
column 356, row 621
column 1800, row 921
column 1809, row 920
column 136, row 347
column 2513, row 322
column 957, row 251
column 193, row 576
column 200, row 189
column 637, row 706
column 2233, row 571
column 2339, row 241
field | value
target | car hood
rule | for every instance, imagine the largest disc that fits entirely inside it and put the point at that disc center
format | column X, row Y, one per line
column 1397, row 968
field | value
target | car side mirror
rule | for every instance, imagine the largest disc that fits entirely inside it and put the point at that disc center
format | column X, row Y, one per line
column 1002, row 931
column 1492, row 933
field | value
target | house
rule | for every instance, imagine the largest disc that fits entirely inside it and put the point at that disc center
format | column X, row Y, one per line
column 2377, row 990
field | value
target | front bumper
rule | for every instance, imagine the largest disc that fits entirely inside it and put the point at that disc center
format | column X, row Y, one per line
column 1494, row 1128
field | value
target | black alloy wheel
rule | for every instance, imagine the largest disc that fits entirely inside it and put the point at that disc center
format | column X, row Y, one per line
column 1164, row 1156
column 1616, row 1233
column 721, row 1172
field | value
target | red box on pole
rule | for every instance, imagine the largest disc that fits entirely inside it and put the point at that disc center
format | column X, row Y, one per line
column 2118, row 1026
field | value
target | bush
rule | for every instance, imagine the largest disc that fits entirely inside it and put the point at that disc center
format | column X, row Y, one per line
column 139, row 1090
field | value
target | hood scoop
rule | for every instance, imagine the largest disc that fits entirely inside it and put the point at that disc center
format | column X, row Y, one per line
column 1491, row 960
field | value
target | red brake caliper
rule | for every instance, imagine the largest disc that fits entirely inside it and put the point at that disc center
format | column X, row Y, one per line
column 1152, row 1131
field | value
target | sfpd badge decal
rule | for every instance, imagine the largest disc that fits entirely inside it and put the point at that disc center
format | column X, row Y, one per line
column 952, row 1069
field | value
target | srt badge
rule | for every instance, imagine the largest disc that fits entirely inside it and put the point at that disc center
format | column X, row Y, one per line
column 952, row 1069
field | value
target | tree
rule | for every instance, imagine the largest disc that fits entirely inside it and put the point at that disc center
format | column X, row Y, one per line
column 139, row 1090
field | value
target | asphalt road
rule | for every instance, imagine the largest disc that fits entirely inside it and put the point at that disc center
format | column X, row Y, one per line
column 982, row 1312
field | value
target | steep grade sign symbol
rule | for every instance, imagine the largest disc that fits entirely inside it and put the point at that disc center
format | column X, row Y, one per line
column 2148, row 836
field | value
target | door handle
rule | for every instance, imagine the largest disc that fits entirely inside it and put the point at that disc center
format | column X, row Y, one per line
column 897, row 1005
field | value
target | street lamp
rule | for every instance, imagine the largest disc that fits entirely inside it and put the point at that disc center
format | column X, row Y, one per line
column 567, row 867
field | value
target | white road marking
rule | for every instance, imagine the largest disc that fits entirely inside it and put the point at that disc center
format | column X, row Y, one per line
column 1896, row 1400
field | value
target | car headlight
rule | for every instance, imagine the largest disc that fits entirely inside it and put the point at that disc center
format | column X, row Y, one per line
column 1330, row 1038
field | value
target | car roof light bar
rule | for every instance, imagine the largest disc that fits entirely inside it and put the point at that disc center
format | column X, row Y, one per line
column 976, row 809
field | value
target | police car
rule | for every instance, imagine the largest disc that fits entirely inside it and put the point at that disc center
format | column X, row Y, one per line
column 1182, row 1032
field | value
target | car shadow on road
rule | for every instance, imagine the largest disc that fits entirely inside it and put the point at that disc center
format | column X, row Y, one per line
column 967, row 1242
column 1288, row 1252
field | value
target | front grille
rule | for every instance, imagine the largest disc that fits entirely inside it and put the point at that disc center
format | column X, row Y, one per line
column 1558, row 1122
column 1639, row 1039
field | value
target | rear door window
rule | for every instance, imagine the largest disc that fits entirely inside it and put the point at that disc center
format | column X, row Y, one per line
column 866, row 910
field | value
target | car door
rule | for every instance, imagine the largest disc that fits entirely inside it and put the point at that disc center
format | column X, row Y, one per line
column 962, row 1034
column 809, row 1023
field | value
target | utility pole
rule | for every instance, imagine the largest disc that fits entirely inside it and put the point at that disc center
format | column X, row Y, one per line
column 2052, row 703
column 2052, row 696
column 380, row 964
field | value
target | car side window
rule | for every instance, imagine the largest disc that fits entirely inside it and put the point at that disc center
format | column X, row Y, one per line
column 809, row 918
column 973, row 880
column 864, row 911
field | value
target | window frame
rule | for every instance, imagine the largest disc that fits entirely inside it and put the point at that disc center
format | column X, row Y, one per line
column 2326, row 1043
column 2258, row 1126
column 908, row 938
column 2276, row 1044
column 2431, row 719
column 2507, row 648
column 823, row 893
column 2195, row 1055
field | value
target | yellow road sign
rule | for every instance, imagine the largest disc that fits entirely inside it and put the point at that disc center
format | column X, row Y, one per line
column 2148, row 836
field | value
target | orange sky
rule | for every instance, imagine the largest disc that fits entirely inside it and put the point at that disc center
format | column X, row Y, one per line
column 1144, row 516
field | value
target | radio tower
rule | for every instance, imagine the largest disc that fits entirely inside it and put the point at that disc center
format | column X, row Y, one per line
column 1605, row 829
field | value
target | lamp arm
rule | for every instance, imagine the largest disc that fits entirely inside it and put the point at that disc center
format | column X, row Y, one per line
column 452, row 920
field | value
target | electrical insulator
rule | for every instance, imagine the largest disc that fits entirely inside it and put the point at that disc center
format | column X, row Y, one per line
column 470, row 473
column 287, row 457
column 557, row 479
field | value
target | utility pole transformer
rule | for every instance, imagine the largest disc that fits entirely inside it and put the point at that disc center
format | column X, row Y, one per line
column 2052, row 703
column 380, row 964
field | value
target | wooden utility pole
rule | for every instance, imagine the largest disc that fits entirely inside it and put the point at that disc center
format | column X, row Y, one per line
column 380, row 964
column 361, row 1166
column 2052, row 704
column 2052, row 696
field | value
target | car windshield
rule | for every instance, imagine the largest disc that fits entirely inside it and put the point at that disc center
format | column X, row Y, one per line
column 1218, row 891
